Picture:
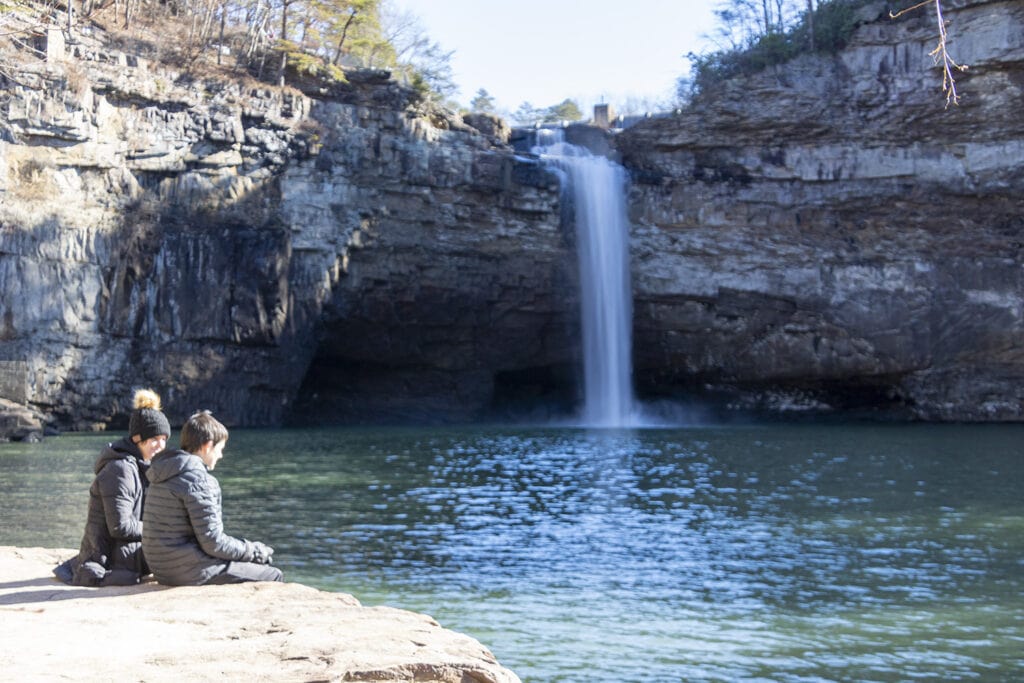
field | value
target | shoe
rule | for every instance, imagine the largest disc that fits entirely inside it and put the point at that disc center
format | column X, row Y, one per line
column 63, row 571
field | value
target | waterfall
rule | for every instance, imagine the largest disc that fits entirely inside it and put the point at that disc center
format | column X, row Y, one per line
column 602, row 237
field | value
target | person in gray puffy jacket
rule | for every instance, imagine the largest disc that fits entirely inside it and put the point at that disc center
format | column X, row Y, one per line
column 183, row 535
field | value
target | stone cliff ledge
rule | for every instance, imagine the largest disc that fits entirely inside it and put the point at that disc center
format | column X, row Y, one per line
column 823, row 238
column 251, row 632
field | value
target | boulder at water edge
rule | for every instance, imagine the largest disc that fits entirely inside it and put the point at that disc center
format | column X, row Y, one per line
column 251, row 632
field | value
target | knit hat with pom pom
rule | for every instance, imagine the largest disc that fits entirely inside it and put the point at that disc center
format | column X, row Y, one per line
column 147, row 421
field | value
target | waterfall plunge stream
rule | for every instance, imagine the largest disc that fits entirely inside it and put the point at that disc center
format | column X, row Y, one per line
column 602, row 237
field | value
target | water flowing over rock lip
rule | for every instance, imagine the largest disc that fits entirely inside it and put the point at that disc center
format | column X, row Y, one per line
column 251, row 632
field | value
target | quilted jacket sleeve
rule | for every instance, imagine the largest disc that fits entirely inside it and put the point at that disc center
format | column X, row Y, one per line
column 121, row 492
column 204, row 510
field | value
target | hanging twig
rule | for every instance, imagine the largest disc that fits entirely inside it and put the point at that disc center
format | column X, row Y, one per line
column 939, row 54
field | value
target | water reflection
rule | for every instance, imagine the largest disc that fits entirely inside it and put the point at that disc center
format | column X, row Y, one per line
column 781, row 553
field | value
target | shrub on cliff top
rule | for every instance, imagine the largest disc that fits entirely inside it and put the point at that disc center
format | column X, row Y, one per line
column 771, row 41
column 310, row 65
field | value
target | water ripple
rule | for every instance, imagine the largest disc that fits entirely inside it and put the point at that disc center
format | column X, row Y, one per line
column 749, row 553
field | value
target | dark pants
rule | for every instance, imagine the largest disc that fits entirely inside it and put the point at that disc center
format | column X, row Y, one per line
column 240, row 572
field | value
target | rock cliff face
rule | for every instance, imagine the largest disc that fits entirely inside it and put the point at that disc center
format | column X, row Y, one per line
column 829, row 236
column 825, row 236
column 262, row 253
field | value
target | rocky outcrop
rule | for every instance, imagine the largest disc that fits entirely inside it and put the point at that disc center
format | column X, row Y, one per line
column 18, row 423
column 829, row 236
column 825, row 236
column 245, row 632
column 265, row 253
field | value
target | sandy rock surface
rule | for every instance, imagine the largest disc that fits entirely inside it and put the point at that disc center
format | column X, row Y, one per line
column 250, row 632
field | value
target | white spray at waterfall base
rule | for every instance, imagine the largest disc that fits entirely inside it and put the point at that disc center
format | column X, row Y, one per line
column 598, row 187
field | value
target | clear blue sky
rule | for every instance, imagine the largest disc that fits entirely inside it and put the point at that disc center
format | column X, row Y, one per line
column 543, row 51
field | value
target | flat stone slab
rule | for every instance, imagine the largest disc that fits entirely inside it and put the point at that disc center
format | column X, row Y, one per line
column 251, row 632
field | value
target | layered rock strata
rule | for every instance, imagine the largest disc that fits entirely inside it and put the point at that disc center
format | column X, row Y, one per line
column 823, row 237
column 829, row 236
column 220, row 241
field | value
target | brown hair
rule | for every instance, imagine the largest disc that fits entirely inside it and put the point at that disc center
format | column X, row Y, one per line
column 199, row 429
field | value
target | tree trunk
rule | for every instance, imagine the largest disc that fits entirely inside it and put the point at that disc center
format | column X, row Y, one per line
column 220, row 37
column 810, row 23
column 129, row 11
column 284, row 37
column 344, row 34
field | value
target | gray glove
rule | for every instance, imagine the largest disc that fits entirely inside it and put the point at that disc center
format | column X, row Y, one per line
column 262, row 553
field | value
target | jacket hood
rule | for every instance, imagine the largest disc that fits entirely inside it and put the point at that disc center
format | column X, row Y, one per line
column 172, row 462
column 122, row 449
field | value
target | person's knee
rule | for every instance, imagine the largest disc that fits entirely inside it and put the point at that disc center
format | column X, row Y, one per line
column 241, row 572
column 262, row 572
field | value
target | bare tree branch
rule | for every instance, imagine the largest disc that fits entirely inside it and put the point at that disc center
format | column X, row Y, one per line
column 940, row 54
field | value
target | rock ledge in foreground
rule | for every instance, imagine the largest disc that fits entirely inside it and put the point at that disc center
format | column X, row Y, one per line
column 251, row 632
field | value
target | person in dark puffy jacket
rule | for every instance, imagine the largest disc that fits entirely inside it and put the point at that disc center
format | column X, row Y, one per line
column 183, row 536
column 111, row 550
